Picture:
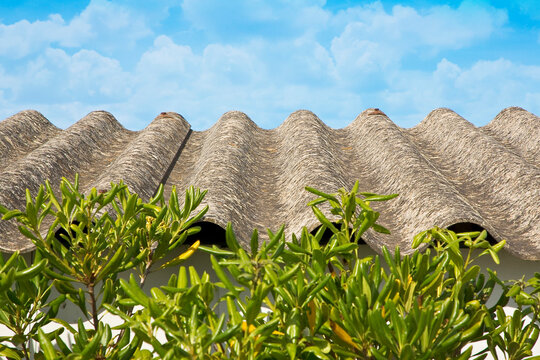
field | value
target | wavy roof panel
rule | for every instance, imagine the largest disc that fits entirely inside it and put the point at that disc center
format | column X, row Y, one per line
column 446, row 170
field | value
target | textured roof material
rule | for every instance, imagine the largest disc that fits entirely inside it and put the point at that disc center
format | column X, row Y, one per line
column 446, row 170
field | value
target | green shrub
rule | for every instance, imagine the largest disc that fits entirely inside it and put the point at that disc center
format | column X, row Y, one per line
column 285, row 298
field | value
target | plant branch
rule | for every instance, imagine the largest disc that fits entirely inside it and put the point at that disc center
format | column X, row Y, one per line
column 93, row 305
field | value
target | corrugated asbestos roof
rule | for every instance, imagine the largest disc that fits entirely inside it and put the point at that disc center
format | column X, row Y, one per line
column 446, row 170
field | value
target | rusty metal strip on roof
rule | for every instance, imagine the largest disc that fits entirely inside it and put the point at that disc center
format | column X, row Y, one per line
column 445, row 169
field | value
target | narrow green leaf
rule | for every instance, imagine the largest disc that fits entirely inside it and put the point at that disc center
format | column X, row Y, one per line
column 9, row 353
column 197, row 217
column 225, row 335
column 324, row 220
column 158, row 196
column 254, row 243
column 216, row 251
column 9, row 262
column 90, row 349
column 289, row 274
column 183, row 256
column 230, row 238
column 133, row 290
column 112, row 265
column 380, row 229
column 274, row 239
column 46, row 345
column 222, row 276
column 373, row 197
column 321, row 194
column 342, row 249
column 11, row 214
column 298, row 249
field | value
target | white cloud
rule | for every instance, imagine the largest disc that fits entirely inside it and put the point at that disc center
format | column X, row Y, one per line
column 359, row 59
column 372, row 46
column 443, row 27
column 56, row 77
column 279, row 58
column 446, row 70
column 499, row 83
column 22, row 38
column 168, row 61
column 110, row 24
column 440, row 27
column 377, row 38
column 310, row 61
column 251, row 77
column 478, row 92
column 172, row 77
column 229, row 65
column 106, row 25
column 104, row 76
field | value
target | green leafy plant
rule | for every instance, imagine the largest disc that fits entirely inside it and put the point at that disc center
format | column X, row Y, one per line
column 100, row 236
column 24, row 293
column 278, row 298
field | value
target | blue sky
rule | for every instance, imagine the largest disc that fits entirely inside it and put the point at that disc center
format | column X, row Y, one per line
column 201, row 58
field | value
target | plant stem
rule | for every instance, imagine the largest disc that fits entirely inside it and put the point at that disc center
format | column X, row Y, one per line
column 25, row 350
column 93, row 305
column 468, row 259
column 141, row 284
column 145, row 273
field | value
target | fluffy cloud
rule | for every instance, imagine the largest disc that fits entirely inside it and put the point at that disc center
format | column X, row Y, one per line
column 260, row 78
column 106, row 26
column 102, row 25
column 64, row 85
column 166, row 60
column 56, row 76
column 22, row 38
column 264, row 58
column 216, row 65
column 501, row 83
column 438, row 26
column 478, row 92
column 374, row 42
column 229, row 65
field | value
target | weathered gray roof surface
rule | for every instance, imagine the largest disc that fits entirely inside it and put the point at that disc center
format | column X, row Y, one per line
column 446, row 170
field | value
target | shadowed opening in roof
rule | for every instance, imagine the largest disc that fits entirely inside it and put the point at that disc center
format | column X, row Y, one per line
column 210, row 234
column 62, row 235
column 469, row 227
column 328, row 234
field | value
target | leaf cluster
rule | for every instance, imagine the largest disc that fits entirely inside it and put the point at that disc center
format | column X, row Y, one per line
column 279, row 298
